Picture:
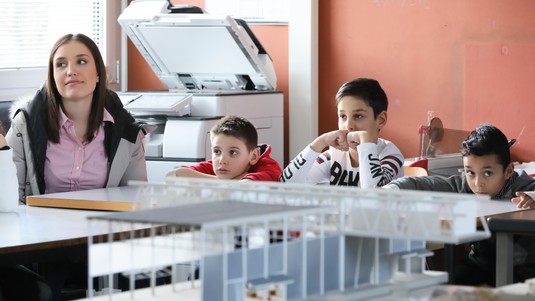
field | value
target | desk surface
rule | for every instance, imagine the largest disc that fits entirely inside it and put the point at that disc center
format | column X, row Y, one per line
column 520, row 222
column 128, row 198
column 489, row 208
column 35, row 228
column 115, row 199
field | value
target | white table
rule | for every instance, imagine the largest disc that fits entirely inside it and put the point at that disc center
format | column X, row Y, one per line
column 33, row 233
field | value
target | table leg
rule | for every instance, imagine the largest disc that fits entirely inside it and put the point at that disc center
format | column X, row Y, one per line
column 449, row 262
column 504, row 258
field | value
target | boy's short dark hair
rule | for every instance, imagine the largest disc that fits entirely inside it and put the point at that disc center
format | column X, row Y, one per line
column 487, row 140
column 368, row 90
column 238, row 127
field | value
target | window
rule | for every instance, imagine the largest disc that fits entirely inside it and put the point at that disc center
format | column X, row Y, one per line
column 30, row 28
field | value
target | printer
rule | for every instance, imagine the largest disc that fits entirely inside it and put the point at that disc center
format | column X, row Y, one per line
column 213, row 65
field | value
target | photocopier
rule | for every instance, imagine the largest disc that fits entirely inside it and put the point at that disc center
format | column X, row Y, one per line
column 213, row 65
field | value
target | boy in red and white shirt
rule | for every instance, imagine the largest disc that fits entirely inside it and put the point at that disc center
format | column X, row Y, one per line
column 236, row 155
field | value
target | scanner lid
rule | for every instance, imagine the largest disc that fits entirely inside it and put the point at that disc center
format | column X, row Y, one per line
column 197, row 51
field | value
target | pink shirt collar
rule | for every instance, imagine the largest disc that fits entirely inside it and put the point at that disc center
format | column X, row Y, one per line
column 63, row 117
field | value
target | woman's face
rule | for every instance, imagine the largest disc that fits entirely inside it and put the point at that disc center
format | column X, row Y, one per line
column 75, row 72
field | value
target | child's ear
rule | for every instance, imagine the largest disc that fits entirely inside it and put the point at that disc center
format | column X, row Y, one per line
column 381, row 119
column 255, row 155
column 509, row 170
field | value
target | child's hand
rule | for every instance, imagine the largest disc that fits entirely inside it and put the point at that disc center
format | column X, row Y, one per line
column 357, row 137
column 523, row 200
column 336, row 139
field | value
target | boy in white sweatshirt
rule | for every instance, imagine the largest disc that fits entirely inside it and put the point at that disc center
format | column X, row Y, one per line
column 353, row 155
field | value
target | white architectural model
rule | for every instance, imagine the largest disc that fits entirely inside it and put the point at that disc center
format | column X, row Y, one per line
column 277, row 241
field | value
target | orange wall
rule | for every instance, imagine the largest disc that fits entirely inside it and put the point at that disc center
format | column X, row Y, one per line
column 468, row 61
column 434, row 55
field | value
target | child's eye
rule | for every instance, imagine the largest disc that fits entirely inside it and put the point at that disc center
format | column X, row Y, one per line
column 469, row 173
column 233, row 153
column 60, row 65
column 342, row 116
column 82, row 62
column 216, row 152
column 488, row 173
column 358, row 116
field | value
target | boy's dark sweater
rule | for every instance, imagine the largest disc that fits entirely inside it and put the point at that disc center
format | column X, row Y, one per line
column 483, row 253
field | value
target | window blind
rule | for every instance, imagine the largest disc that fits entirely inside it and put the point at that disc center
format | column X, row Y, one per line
column 29, row 28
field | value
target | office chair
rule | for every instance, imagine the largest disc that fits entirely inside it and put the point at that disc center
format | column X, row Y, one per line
column 414, row 171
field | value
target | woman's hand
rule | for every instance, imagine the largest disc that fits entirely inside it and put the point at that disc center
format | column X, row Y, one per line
column 2, row 141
